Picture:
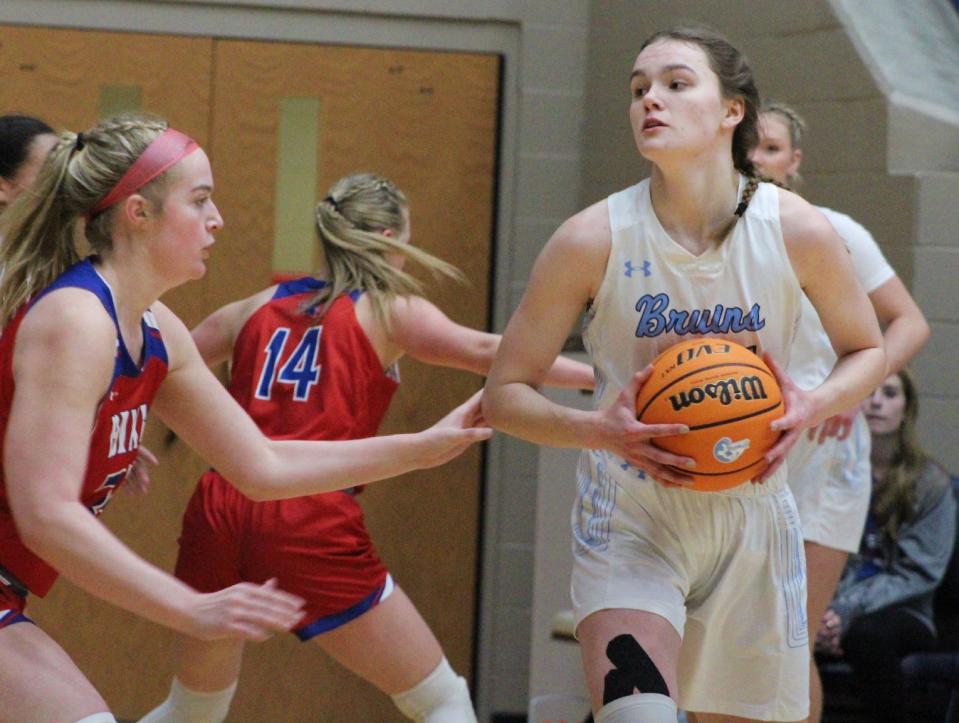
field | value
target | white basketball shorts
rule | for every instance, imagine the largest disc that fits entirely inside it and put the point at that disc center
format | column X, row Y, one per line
column 726, row 569
column 832, row 483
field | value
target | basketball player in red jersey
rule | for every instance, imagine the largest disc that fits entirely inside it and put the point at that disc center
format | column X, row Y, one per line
column 86, row 352
column 25, row 142
column 315, row 358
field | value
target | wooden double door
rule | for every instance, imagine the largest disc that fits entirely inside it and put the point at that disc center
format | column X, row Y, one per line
column 281, row 122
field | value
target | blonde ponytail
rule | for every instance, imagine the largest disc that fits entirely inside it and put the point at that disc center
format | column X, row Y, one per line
column 40, row 228
column 350, row 223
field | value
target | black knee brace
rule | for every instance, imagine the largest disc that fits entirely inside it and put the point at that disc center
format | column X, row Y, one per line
column 634, row 670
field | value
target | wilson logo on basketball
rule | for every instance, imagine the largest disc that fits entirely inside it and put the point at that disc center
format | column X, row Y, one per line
column 724, row 391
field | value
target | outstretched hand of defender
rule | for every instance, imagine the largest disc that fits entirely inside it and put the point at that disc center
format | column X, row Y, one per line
column 454, row 433
column 797, row 417
column 623, row 434
column 245, row 611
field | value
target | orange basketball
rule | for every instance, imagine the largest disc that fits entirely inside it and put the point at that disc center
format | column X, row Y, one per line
column 727, row 396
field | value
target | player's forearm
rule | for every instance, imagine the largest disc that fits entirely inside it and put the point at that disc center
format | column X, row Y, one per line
column 294, row 468
column 85, row 552
column 903, row 339
column 852, row 379
column 518, row 409
column 570, row 374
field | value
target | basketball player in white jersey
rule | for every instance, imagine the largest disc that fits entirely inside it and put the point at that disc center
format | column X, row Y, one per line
column 682, row 596
column 829, row 471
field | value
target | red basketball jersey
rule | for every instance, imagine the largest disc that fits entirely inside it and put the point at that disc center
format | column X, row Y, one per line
column 117, row 429
column 301, row 376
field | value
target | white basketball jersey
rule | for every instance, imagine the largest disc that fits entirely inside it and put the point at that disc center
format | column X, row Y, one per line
column 813, row 356
column 831, row 479
column 655, row 293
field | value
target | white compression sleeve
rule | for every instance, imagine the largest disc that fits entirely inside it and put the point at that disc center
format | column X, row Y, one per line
column 646, row 707
column 441, row 697
column 184, row 705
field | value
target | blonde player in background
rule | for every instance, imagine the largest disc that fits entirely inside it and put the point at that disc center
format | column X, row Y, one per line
column 829, row 471
column 315, row 358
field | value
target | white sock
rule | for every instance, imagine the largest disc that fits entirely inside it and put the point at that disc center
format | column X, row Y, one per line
column 191, row 706
column 645, row 707
column 98, row 718
column 441, row 697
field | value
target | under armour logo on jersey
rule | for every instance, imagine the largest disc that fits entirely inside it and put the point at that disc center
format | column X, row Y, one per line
column 626, row 466
column 645, row 268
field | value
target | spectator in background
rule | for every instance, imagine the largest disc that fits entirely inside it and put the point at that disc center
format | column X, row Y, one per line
column 882, row 610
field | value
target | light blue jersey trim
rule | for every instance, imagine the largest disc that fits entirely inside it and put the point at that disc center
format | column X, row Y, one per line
column 595, row 502
column 792, row 558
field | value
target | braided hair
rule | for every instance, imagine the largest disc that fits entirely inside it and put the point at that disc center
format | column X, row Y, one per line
column 735, row 81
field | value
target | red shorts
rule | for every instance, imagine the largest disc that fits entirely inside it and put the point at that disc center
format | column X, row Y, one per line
column 13, row 599
column 316, row 547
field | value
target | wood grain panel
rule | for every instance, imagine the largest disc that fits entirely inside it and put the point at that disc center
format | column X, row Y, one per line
column 428, row 121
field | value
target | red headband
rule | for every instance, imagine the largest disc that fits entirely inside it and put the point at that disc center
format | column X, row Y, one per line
column 165, row 150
